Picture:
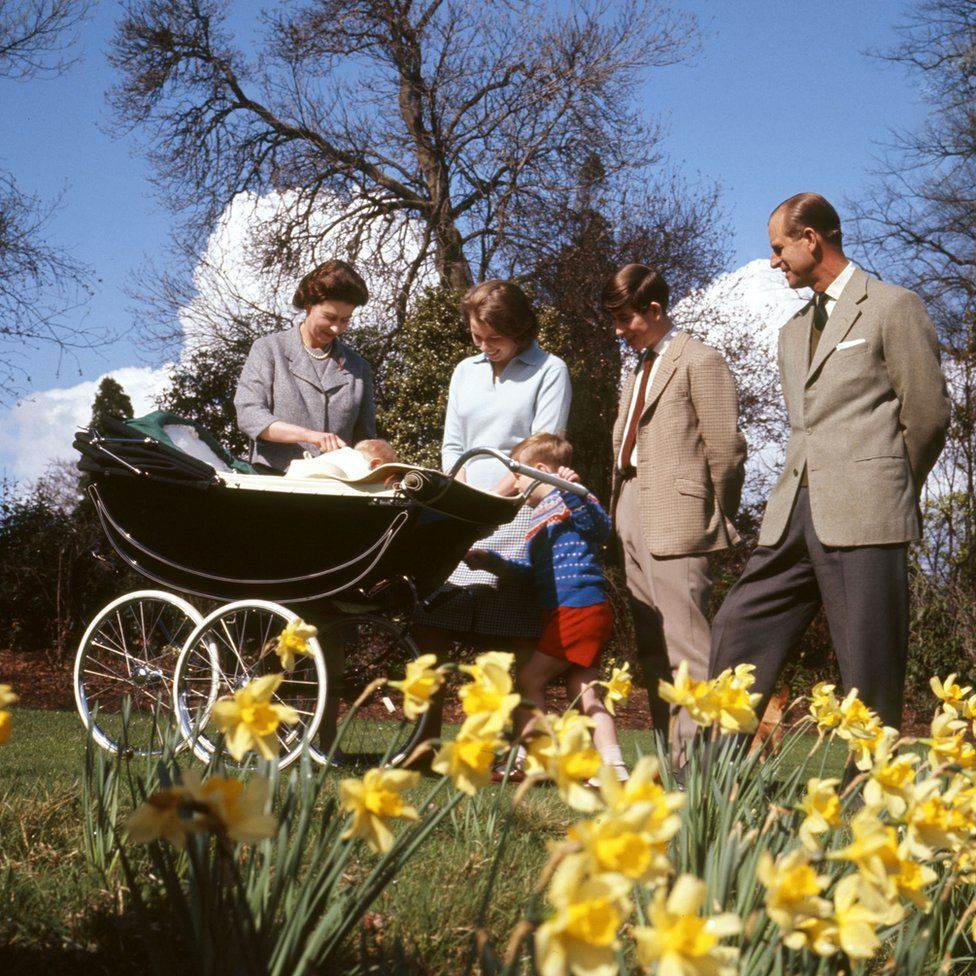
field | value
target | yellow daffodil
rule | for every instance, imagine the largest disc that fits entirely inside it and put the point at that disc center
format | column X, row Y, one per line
column 964, row 864
column 952, row 696
column 679, row 940
column 689, row 694
column 218, row 805
column 168, row 814
column 969, row 711
column 293, row 642
column 858, row 910
column 250, row 719
column 724, row 701
column 911, row 879
column 621, row 842
column 882, row 862
column 422, row 681
column 467, row 759
column 948, row 743
column 874, row 844
column 373, row 801
column 822, row 808
column 734, row 705
column 824, row 707
column 561, row 749
column 490, row 689
column 863, row 730
column 891, row 785
column 793, row 899
column 934, row 820
column 580, row 935
column 7, row 697
column 618, row 687
column 657, row 810
column 237, row 809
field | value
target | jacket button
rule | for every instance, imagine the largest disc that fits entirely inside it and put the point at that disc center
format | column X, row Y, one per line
column 795, row 473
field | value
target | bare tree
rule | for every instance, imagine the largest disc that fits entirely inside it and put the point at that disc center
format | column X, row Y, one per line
column 920, row 226
column 34, row 35
column 39, row 283
column 473, row 121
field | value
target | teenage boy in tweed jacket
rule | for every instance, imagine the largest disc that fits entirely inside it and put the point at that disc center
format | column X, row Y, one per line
column 678, row 473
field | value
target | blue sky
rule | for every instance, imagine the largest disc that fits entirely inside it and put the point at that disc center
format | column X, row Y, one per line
column 782, row 98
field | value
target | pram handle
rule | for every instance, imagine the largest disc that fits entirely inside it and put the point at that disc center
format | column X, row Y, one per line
column 550, row 479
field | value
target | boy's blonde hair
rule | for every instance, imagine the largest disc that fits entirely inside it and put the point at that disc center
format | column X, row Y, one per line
column 377, row 452
column 550, row 449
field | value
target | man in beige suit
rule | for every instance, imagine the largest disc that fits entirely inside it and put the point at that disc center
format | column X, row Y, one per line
column 677, row 479
column 868, row 411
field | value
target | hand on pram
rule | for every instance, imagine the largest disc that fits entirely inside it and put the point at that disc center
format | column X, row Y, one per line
column 477, row 559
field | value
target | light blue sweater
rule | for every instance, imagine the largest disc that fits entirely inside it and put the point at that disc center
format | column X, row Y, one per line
column 532, row 394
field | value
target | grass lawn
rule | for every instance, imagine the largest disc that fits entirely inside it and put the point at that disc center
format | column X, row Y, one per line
column 58, row 915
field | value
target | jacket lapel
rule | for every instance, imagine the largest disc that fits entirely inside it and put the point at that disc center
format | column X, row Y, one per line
column 665, row 370
column 299, row 363
column 846, row 312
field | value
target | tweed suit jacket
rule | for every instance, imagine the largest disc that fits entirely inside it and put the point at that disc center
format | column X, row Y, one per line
column 690, row 452
column 867, row 417
column 279, row 381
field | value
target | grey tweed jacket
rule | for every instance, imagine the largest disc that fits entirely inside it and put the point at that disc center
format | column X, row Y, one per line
column 867, row 416
column 280, row 382
column 691, row 454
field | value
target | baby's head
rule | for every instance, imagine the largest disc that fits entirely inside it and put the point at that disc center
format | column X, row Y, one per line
column 377, row 452
column 547, row 452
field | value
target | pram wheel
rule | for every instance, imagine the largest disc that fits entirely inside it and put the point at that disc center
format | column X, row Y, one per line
column 129, row 652
column 358, row 650
column 232, row 646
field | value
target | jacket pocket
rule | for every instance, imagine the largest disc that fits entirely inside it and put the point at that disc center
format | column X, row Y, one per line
column 686, row 487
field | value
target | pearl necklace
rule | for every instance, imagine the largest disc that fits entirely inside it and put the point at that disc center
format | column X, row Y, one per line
column 315, row 355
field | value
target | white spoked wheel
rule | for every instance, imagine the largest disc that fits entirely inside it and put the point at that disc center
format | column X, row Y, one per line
column 126, row 660
column 231, row 647
column 359, row 650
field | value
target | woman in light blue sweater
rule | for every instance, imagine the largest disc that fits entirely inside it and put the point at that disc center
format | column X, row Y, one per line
column 500, row 396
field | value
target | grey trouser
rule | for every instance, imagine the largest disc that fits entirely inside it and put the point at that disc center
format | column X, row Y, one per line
column 864, row 591
column 668, row 600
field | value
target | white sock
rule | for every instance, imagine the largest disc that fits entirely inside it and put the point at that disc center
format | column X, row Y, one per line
column 612, row 756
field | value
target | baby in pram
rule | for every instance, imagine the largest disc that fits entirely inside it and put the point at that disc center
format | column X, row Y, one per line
column 347, row 463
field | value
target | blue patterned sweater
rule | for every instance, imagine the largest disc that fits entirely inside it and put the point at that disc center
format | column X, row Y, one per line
column 563, row 551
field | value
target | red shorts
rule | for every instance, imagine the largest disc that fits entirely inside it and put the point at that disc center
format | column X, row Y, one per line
column 576, row 634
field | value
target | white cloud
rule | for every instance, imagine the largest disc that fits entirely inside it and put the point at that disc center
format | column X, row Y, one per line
column 233, row 282
column 39, row 428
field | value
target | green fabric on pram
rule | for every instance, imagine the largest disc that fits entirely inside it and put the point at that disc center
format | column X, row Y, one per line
column 153, row 425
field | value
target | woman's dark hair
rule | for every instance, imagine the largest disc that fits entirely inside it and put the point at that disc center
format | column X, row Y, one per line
column 333, row 281
column 503, row 306
column 635, row 286
column 810, row 210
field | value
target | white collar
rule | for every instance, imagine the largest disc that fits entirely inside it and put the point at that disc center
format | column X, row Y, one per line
column 662, row 344
column 836, row 287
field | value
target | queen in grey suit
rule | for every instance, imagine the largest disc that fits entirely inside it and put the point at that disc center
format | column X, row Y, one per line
column 868, row 411
column 304, row 389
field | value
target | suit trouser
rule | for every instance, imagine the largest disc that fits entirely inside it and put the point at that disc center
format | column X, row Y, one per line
column 864, row 592
column 668, row 600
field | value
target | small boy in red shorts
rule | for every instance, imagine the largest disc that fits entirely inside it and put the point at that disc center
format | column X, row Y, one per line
column 563, row 544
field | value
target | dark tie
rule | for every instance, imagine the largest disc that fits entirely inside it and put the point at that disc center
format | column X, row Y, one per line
column 819, row 321
column 631, row 438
